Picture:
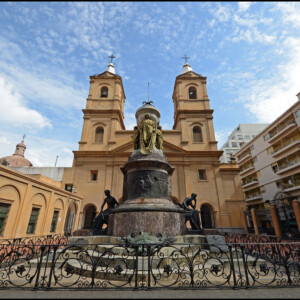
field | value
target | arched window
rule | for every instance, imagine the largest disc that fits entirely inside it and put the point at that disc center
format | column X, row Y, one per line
column 192, row 93
column 104, row 92
column 99, row 135
column 89, row 215
column 197, row 134
column 207, row 217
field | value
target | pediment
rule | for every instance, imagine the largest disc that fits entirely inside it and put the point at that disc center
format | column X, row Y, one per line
column 190, row 74
column 168, row 148
column 106, row 74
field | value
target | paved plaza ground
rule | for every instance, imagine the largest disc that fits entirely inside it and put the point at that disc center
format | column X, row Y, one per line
column 258, row 293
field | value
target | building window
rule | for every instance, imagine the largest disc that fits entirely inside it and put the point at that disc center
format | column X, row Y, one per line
column 233, row 137
column 240, row 137
column 297, row 113
column 192, row 93
column 227, row 145
column 255, row 159
column 241, row 144
column 197, row 134
column 202, row 174
column 54, row 221
column 252, row 147
column 69, row 187
column 94, row 175
column 4, row 209
column 247, row 137
column 33, row 220
column 104, row 92
column 99, row 135
column 233, row 144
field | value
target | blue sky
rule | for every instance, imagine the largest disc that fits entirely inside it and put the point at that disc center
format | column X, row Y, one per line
column 249, row 52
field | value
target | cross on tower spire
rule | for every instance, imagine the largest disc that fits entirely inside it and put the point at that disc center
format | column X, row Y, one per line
column 111, row 58
column 186, row 58
column 24, row 135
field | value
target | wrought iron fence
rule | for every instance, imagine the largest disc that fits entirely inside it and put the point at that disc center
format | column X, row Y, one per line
column 242, row 262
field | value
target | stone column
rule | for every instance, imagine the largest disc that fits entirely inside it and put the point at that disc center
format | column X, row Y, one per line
column 275, row 220
column 296, row 209
column 244, row 221
column 254, row 221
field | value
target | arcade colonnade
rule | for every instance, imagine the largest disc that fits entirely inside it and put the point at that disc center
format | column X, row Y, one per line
column 35, row 206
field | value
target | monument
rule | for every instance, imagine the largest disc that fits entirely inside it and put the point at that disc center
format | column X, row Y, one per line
column 147, row 204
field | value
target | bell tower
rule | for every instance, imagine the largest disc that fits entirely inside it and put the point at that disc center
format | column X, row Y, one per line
column 104, row 112
column 192, row 112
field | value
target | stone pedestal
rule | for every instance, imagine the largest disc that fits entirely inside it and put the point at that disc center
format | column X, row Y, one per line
column 147, row 198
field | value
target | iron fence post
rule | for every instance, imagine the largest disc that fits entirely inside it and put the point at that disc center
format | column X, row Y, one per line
column 149, row 266
column 55, row 247
column 232, row 267
column 245, row 265
column 39, row 266
column 136, row 266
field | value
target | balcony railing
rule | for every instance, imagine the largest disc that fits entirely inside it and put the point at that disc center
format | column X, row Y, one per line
column 243, row 158
column 254, row 197
column 286, row 146
column 249, row 183
column 244, row 171
column 288, row 166
column 280, row 130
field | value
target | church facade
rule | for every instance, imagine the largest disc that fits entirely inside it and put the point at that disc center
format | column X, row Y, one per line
column 190, row 147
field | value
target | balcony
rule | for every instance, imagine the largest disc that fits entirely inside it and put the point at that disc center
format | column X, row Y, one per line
column 288, row 166
column 244, row 158
column 254, row 197
column 249, row 183
column 288, row 187
column 286, row 147
column 282, row 130
column 251, row 168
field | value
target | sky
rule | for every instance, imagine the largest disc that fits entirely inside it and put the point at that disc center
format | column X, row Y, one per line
column 249, row 52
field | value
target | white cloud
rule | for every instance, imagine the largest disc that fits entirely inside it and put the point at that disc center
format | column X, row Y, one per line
column 222, row 13
column 269, row 98
column 243, row 6
column 252, row 36
column 14, row 110
column 290, row 12
column 4, row 140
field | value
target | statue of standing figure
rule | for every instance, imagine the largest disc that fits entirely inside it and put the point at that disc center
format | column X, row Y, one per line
column 102, row 217
column 147, row 135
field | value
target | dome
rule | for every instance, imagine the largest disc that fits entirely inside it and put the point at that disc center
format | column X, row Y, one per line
column 17, row 159
column 150, row 109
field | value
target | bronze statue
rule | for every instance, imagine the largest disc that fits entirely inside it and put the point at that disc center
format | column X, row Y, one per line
column 159, row 138
column 191, row 214
column 102, row 218
column 147, row 135
column 136, row 138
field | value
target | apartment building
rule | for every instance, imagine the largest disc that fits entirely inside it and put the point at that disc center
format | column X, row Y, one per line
column 240, row 136
column 270, row 176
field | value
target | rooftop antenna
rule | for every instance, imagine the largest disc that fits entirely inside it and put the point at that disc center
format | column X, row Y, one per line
column 148, row 102
column 56, row 161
